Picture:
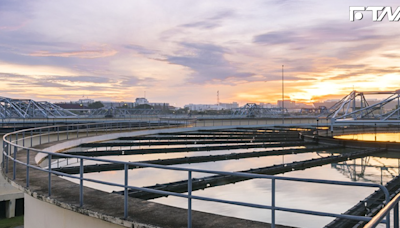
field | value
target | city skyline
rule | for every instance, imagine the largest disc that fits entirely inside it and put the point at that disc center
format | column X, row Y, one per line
column 184, row 52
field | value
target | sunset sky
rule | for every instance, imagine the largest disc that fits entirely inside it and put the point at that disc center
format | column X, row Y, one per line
column 184, row 51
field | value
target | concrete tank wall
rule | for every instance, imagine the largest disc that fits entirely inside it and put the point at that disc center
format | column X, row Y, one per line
column 45, row 215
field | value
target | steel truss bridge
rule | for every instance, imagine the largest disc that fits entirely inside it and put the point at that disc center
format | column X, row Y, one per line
column 356, row 109
column 123, row 112
column 254, row 110
column 27, row 108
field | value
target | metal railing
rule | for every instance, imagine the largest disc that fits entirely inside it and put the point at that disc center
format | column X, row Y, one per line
column 11, row 148
column 392, row 205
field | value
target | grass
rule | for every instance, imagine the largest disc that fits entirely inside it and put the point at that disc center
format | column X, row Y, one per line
column 12, row 222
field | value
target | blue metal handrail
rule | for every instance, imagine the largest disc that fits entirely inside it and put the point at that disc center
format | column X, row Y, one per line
column 8, row 145
column 384, row 212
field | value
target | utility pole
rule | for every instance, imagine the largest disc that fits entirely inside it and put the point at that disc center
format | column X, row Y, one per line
column 283, row 98
column 218, row 97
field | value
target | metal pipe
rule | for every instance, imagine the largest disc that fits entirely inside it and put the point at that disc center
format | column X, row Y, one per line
column 27, row 168
column 273, row 203
column 81, row 184
column 126, row 191
column 383, row 213
column 396, row 216
column 189, row 199
column 15, row 158
column 7, row 152
column 49, row 160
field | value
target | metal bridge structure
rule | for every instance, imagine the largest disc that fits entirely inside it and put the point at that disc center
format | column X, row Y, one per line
column 122, row 112
column 27, row 108
column 254, row 110
column 355, row 108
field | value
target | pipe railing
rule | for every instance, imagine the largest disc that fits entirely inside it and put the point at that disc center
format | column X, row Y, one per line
column 393, row 206
column 12, row 147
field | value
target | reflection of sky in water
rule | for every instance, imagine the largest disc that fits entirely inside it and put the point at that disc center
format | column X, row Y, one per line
column 146, row 157
column 317, row 197
column 118, row 148
column 383, row 137
column 151, row 176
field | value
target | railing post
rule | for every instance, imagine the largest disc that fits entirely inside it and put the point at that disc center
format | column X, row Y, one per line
column 388, row 219
column 77, row 131
column 396, row 216
column 31, row 138
column 49, row 156
column 23, row 139
column 58, row 133
column 81, row 183
column 27, row 168
column 8, row 153
column 3, row 155
column 189, row 199
column 273, row 203
column 40, row 136
column 126, row 191
column 14, row 166
column 67, row 132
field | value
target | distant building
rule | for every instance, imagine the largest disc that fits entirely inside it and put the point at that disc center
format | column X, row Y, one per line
column 141, row 101
column 71, row 106
column 229, row 105
column 289, row 104
column 121, row 104
column 204, row 107
column 268, row 105
column 85, row 101
column 327, row 103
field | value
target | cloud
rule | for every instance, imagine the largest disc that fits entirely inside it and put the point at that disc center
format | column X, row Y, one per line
column 391, row 56
column 279, row 37
column 207, row 62
column 140, row 49
column 323, row 33
column 92, row 79
column 377, row 72
column 211, row 22
column 74, row 82
column 350, row 66
column 89, row 54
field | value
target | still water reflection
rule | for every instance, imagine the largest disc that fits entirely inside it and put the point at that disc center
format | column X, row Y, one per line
column 317, row 197
column 382, row 137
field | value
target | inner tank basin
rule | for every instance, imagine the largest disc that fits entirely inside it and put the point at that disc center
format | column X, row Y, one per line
column 355, row 154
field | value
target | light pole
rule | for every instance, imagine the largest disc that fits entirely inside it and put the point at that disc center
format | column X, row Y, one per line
column 283, row 98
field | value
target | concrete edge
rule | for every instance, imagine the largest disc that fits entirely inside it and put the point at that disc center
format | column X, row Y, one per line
column 90, row 213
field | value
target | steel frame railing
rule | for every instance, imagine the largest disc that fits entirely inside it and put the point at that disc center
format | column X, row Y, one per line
column 12, row 147
column 392, row 205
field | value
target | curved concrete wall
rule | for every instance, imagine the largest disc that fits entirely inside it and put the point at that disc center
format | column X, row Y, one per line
column 39, row 214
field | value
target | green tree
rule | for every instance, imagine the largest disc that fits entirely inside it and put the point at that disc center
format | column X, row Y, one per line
column 96, row 105
column 144, row 106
